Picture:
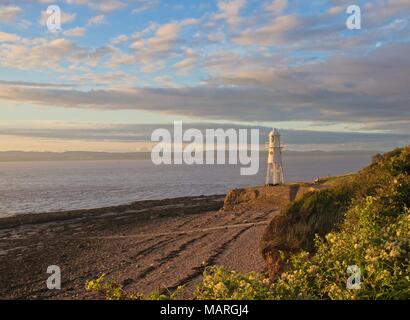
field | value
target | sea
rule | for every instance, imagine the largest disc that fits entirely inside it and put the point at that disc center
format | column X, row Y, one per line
column 49, row 186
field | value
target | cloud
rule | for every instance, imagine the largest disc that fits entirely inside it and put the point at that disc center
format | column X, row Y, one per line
column 8, row 37
column 277, row 6
column 156, row 43
column 100, row 5
column 216, row 37
column 269, row 34
column 9, row 14
column 108, row 5
column 336, row 10
column 230, row 11
column 41, row 54
column 388, row 8
column 57, row 54
column 119, row 39
column 165, row 81
column 164, row 38
column 152, row 51
column 370, row 88
column 110, row 79
column 96, row 20
column 133, row 133
column 119, row 58
column 75, row 32
column 145, row 5
column 35, row 85
column 186, row 64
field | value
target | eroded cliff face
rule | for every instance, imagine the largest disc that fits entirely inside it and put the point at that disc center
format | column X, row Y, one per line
column 264, row 197
column 297, row 213
column 274, row 200
column 294, row 228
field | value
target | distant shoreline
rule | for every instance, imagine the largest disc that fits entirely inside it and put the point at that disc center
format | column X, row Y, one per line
column 26, row 156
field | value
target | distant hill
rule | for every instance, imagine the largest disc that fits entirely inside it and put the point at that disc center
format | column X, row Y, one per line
column 8, row 156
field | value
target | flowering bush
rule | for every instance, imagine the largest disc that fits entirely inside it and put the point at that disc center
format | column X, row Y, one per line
column 218, row 283
column 112, row 290
column 379, row 246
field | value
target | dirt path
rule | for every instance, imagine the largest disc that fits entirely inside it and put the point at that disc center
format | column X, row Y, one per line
column 156, row 245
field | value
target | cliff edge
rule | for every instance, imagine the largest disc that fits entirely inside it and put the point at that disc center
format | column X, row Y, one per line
column 264, row 197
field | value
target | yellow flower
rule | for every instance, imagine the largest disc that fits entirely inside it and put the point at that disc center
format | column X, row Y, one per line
column 371, row 268
column 394, row 253
column 312, row 269
column 220, row 287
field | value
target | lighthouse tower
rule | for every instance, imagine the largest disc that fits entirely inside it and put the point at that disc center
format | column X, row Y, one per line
column 274, row 174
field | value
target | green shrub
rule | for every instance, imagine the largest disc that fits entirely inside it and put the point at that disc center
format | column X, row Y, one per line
column 111, row 290
column 317, row 212
column 379, row 245
column 218, row 283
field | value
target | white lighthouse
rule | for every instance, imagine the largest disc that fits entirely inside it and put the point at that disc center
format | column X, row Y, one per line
column 274, row 174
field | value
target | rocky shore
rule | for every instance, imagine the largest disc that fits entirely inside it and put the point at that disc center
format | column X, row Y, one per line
column 146, row 246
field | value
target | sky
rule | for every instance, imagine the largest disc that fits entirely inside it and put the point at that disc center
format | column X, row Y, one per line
column 119, row 69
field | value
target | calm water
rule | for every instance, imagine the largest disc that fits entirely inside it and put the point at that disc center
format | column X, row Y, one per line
column 52, row 186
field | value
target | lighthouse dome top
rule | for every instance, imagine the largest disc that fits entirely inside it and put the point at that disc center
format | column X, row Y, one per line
column 274, row 132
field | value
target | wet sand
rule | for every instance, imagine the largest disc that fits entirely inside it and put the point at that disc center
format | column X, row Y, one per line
column 146, row 246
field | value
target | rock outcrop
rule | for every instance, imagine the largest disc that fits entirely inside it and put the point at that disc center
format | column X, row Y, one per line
column 264, row 197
